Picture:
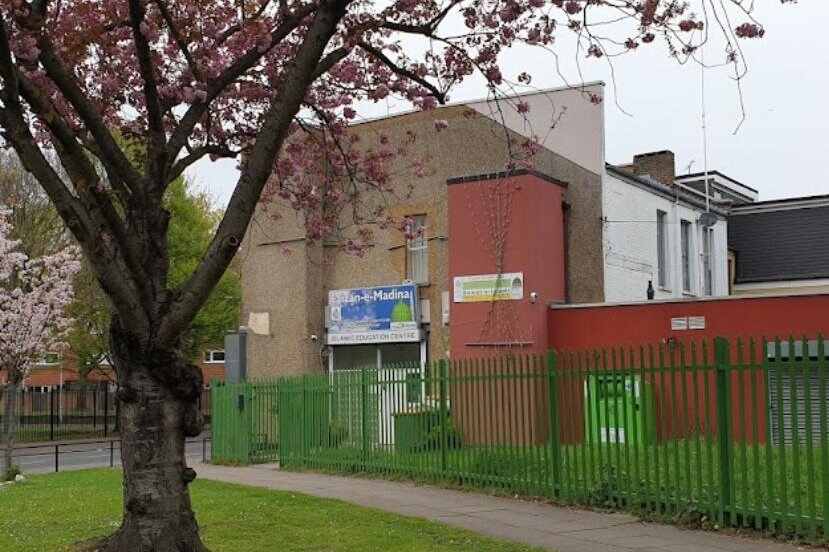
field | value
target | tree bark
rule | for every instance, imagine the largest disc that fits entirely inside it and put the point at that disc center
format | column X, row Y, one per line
column 9, row 426
column 156, row 416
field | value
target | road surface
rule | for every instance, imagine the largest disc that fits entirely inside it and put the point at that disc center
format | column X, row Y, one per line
column 78, row 456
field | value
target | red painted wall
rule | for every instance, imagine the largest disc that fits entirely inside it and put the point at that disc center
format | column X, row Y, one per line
column 650, row 323
column 522, row 218
column 624, row 328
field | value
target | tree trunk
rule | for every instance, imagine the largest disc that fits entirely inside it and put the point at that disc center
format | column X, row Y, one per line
column 9, row 426
column 156, row 416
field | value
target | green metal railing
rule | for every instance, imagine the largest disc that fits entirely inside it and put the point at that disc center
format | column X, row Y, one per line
column 731, row 431
column 244, row 422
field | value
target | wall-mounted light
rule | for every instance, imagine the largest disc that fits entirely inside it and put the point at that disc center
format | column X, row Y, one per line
column 533, row 296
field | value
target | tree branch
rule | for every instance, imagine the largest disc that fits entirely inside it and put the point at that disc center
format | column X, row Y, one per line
column 233, row 29
column 109, row 267
column 157, row 146
column 425, row 29
column 79, row 217
column 284, row 106
column 182, row 44
column 111, row 154
column 331, row 59
column 439, row 95
column 83, row 175
column 194, row 113
column 182, row 164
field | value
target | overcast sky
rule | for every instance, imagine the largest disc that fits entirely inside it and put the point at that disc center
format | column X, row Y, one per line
column 782, row 148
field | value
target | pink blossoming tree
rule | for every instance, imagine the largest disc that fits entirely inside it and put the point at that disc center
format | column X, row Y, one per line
column 273, row 83
column 33, row 296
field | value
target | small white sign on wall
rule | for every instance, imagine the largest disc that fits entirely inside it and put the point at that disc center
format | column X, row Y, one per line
column 259, row 323
column 679, row 323
column 696, row 322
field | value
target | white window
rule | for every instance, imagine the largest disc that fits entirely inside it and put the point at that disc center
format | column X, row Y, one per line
column 417, row 251
column 707, row 264
column 685, row 237
column 662, row 248
column 213, row 357
column 49, row 359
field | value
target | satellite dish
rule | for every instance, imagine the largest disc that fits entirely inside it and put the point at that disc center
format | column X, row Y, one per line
column 707, row 219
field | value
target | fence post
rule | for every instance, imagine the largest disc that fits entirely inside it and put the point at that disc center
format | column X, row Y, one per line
column 364, row 412
column 444, row 412
column 723, row 364
column 555, row 445
column 112, row 454
column 57, row 461
column 106, row 410
column 51, row 414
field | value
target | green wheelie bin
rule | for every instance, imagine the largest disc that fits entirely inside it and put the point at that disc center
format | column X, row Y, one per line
column 620, row 409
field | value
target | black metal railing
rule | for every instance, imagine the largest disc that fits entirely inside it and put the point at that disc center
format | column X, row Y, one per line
column 60, row 415
column 89, row 454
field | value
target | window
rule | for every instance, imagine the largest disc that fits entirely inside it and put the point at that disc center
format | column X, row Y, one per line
column 49, row 359
column 417, row 251
column 662, row 248
column 685, row 236
column 212, row 357
column 707, row 265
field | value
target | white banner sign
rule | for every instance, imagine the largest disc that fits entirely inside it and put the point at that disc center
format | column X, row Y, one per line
column 489, row 287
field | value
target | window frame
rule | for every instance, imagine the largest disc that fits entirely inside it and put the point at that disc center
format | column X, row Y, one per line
column 419, row 245
column 708, row 262
column 662, row 264
column 686, row 247
column 209, row 356
column 43, row 361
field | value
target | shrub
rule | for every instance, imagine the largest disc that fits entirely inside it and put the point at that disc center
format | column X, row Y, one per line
column 11, row 472
column 337, row 433
column 438, row 433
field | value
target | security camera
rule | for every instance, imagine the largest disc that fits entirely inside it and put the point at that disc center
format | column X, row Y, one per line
column 314, row 337
column 533, row 296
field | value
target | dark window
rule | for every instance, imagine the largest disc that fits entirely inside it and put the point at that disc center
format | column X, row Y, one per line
column 686, row 255
column 662, row 248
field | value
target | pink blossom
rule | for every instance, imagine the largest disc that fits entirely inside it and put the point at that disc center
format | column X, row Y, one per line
column 33, row 296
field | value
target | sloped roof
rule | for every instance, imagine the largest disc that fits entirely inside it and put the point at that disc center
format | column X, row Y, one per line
column 781, row 240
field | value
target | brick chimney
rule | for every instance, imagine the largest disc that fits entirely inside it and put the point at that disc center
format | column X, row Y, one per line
column 658, row 164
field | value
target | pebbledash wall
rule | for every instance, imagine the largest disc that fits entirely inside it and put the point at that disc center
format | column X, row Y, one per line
column 286, row 279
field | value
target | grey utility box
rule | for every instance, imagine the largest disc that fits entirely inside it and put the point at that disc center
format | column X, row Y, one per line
column 236, row 355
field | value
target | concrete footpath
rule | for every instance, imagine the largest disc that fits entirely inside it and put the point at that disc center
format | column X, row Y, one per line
column 549, row 527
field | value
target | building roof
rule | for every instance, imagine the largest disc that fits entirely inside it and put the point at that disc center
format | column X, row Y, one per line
column 720, row 186
column 461, row 103
column 698, row 175
column 787, row 203
column 781, row 240
column 687, row 195
column 505, row 174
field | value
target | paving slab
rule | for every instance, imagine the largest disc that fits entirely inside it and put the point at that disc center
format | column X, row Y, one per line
column 546, row 526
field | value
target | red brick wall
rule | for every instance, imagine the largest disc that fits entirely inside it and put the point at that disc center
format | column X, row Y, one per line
column 42, row 376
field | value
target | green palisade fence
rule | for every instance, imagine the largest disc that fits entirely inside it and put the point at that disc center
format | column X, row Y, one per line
column 734, row 431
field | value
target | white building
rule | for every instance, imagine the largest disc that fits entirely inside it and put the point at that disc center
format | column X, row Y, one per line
column 658, row 234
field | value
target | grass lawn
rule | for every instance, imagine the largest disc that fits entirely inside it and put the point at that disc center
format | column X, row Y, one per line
column 52, row 512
